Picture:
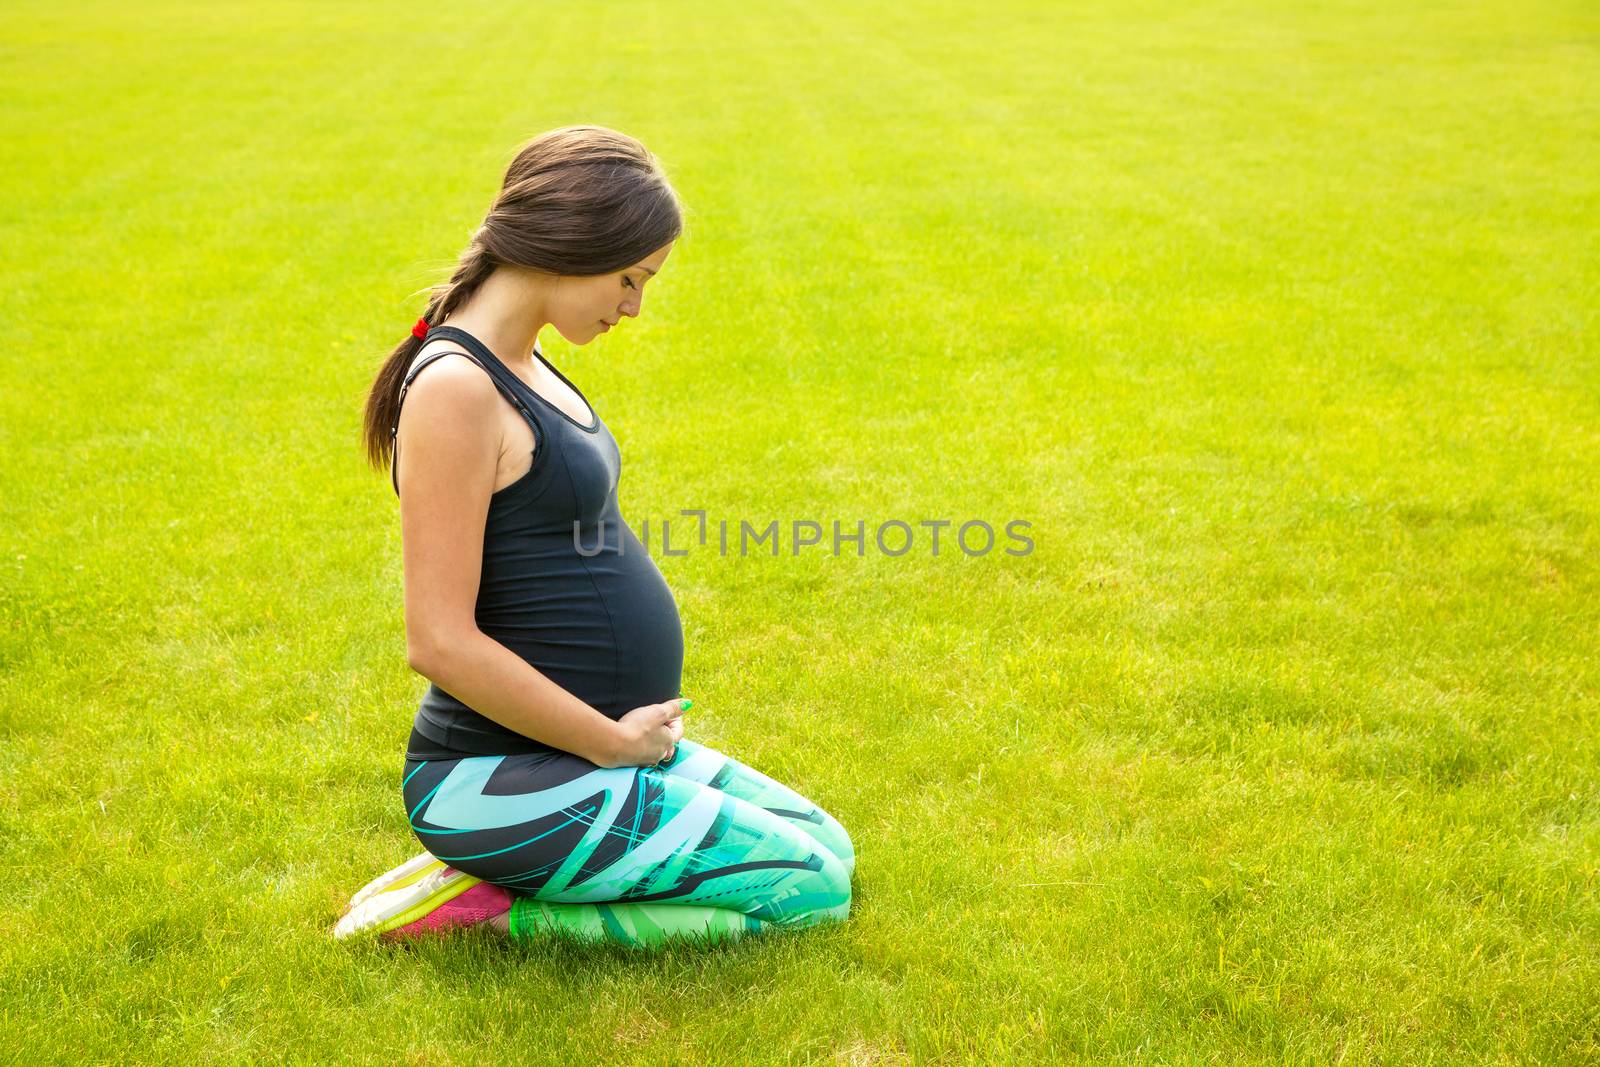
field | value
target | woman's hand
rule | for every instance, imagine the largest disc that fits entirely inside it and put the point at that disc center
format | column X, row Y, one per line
column 676, row 726
column 649, row 734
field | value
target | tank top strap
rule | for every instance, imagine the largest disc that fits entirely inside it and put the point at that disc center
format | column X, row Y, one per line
column 485, row 357
column 489, row 368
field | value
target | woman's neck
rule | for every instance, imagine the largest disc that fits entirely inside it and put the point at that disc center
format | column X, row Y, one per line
column 506, row 313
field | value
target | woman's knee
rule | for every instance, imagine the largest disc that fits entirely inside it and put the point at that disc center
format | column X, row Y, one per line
column 710, row 767
column 832, row 834
column 819, row 891
column 836, row 876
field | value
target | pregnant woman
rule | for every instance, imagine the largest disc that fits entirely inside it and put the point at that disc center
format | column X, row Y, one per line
column 547, row 775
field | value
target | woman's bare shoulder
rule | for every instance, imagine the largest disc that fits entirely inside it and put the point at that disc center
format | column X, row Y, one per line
column 446, row 389
column 448, row 352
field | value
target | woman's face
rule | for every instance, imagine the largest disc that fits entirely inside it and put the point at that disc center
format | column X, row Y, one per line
column 587, row 306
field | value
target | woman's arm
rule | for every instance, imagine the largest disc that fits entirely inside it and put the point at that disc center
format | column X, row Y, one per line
column 449, row 445
column 496, row 682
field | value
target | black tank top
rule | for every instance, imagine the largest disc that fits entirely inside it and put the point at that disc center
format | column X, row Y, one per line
column 600, row 622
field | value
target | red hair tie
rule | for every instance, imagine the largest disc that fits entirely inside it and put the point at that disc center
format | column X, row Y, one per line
column 421, row 328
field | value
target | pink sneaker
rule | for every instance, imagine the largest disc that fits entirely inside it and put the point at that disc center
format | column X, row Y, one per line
column 479, row 904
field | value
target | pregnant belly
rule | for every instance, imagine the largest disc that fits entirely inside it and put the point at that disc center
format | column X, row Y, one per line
column 649, row 633
column 607, row 631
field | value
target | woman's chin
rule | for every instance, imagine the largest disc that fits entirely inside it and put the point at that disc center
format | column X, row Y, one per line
column 593, row 333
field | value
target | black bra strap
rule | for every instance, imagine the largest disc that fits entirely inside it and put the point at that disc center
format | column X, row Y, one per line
column 405, row 387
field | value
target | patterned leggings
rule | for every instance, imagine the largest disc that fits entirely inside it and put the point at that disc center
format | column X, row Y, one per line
column 702, row 847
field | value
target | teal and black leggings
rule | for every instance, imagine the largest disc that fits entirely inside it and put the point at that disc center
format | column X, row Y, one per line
column 701, row 846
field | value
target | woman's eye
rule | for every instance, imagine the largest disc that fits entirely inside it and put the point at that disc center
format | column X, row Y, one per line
column 628, row 282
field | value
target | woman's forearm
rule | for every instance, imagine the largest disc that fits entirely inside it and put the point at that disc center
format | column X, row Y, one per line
column 499, row 684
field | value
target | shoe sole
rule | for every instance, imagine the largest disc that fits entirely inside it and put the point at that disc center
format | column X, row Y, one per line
column 405, row 874
column 391, row 909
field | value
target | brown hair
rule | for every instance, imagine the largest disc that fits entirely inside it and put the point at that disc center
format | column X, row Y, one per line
column 578, row 200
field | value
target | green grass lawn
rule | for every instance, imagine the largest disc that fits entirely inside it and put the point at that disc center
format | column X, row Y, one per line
column 1283, row 744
